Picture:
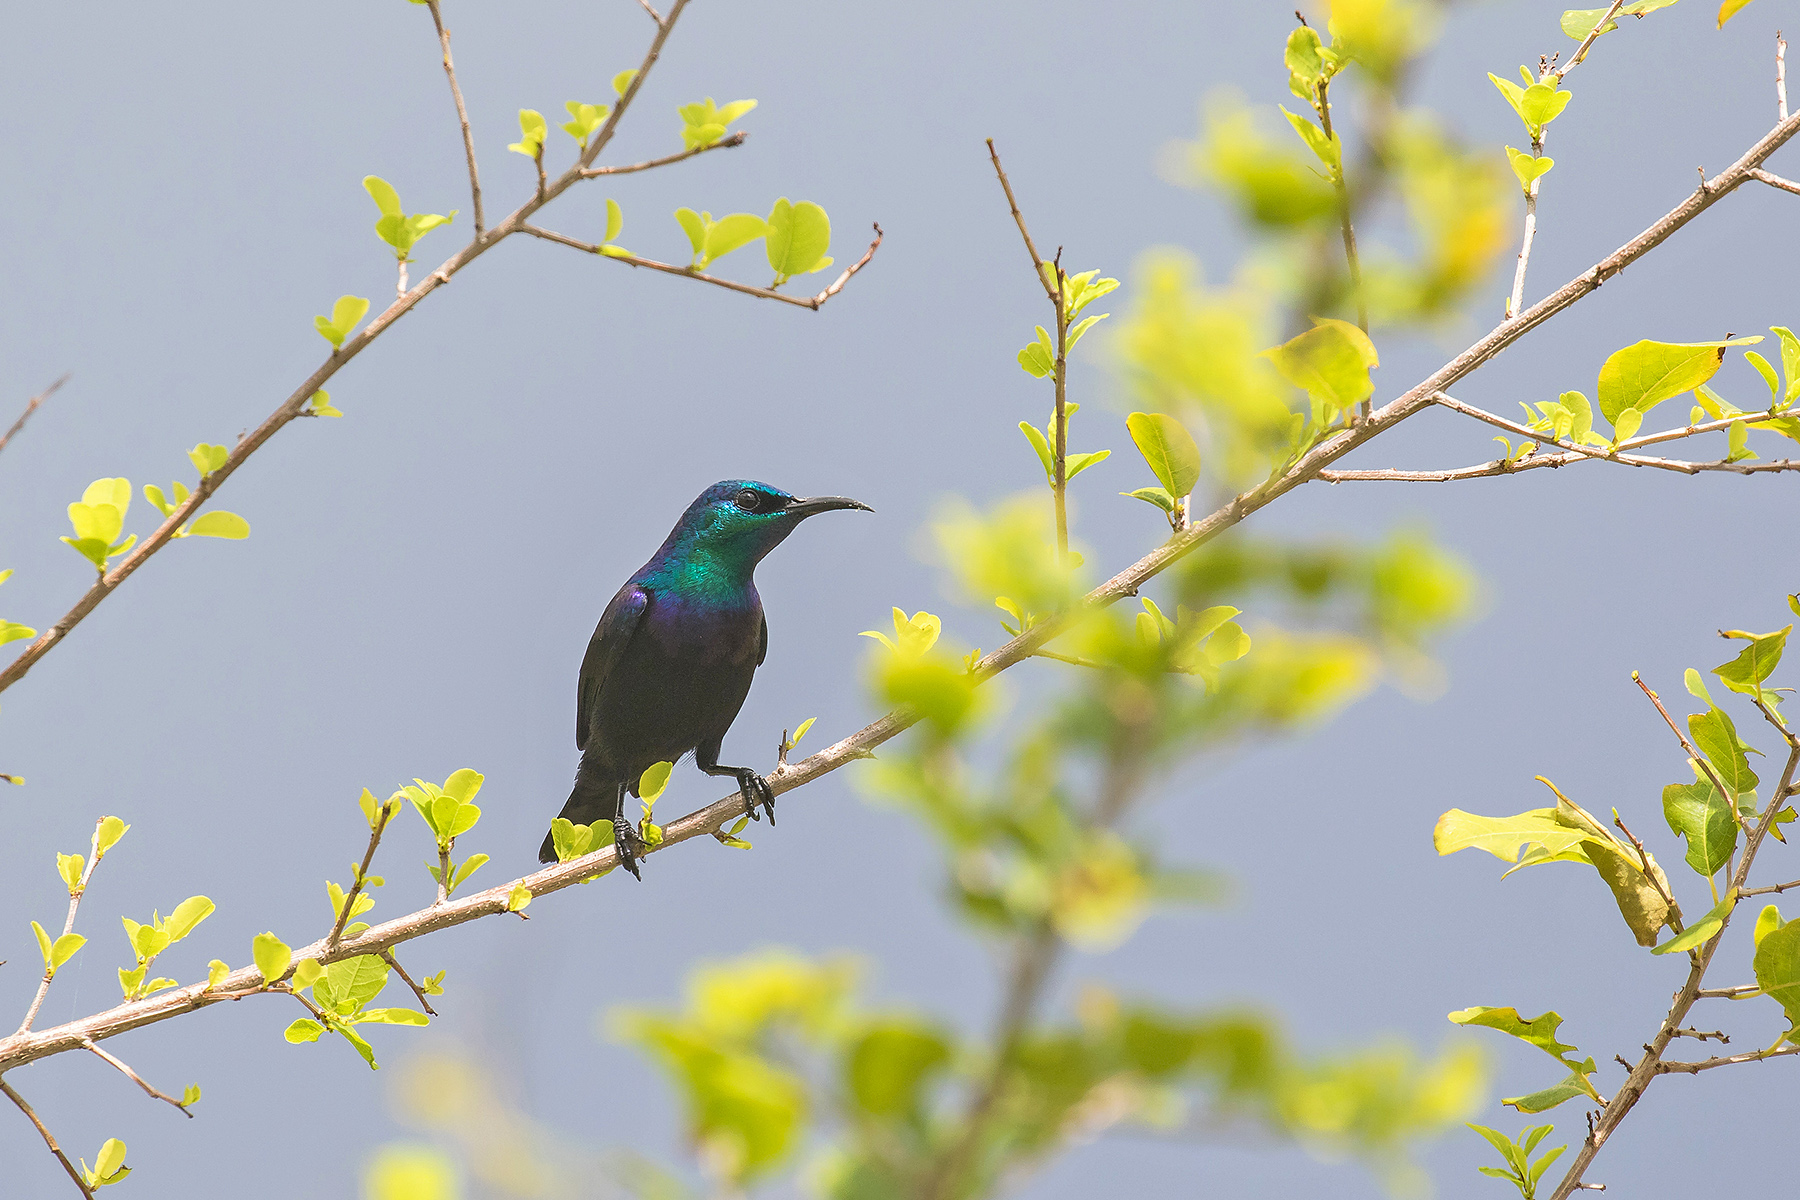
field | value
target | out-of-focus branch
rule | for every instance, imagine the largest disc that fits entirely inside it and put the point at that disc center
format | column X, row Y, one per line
column 812, row 302
column 31, row 406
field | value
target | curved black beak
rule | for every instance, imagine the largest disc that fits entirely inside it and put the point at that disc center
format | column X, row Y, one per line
column 808, row 506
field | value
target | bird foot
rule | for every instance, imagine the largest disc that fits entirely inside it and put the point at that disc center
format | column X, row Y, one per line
column 630, row 847
column 756, row 790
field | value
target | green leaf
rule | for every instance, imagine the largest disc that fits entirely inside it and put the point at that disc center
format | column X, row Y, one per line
column 351, row 982
column 1644, row 374
column 1541, row 104
column 1730, row 9
column 1526, row 167
column 1578, row 23
column 518, row 898
column 306, row 973
column 1075, row 464
column 797, row 238
column 1790, row 360
column 219, row 524
column 362, row 1047
column 654, row 779
column 109, row 1164
column 1702, row 929
column 730, row 232
column 321, row 405
column 890, row 1063
column 1168, row 448
column 303, row 1030
column 464, row 785
column 1697, row 812
column 190, row 1095
column 1038, row 359
column 615, row 219
column 694, row 227
column 1506, row 837
column 1626, row 425
column 216, row 971
column 392, row 1016
column 1041, row 445
column 1331, row 361
column 383, row 193
column 800, row 732
column 532, row 131
column 1329, row 150
column 1158, row 496
column 1717, row 737
column 1767, row 371
column 470, row 865
column 1777, row 961
column 208, row 458
column 1746, row 672
column 584, row 119
column 187, row 914
column 622, row 80
column 271, row 955
column 69, row 867
column 1539, row 1031
column 705, row 122
column 43, row 941
column 1576, row 1084
column 345, row 315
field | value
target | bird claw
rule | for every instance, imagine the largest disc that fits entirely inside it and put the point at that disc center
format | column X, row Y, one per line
column 630, row 848
column 756, row 790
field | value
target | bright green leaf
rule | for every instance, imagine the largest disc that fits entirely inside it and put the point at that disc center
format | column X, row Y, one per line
column 1168, row 448
column 271, row 955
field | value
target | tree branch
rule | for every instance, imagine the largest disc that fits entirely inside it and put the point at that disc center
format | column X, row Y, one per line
column 20, row 1049
column 1776, row 181
column 75, row 894
column 462, row 116
column 725, row 143
column 387, row 956
column 31, row 407
column 1037, row 260
column 362, row 873
column 1707, row 1064
column 140, row 1081
column 48, row 1139
column 763, row 293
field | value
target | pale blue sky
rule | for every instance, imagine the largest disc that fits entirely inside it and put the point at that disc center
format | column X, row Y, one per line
column 424, row 573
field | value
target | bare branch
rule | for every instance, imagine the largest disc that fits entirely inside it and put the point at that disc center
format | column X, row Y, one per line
column 31, row 406
column 725, row 143
column 1776, row 181
column 1694, row 1068
column 633, row 260
column 1694, row 756
column 654, row 15
column 48, row 1139
column 1780, row 77
column 1772, row 890
column 1742, row 991
column 462, row 116
column 387, row 956
column 1037, row 260
column 153, row 1093
column 1501, row 466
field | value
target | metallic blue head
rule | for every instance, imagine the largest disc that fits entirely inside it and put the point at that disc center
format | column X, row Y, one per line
column 730, row 526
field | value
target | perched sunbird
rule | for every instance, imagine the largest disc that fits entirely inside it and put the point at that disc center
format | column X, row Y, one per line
column 671, row 661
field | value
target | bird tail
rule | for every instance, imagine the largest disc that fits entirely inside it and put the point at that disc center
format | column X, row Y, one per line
column 592, row 800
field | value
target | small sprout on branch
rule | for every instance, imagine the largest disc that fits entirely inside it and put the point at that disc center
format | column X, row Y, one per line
column 216, row 971
column 1537, row 104
column 271, row 956
column 622, row 81
column 584, row 119
column 704, row 122
column 615, row 223
column 516, row 900
column 149, row 940
column 1520, row 1171
column 1173, row 457
column 1042, row 441
column 11, row 631
column 913, row 637
column 394, row 227
column 532, row 131
column 109, row 1165
column 346, row 314
column 99, row 519
column 58, row 952
column 341, row 993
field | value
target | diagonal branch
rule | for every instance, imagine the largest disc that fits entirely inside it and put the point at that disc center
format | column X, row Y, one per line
column 150, row 1091
column 48, row 1139
column 616, row 255
column 1776, row 181
column 75, row 894
column 462, row 115
column 1501, row 466
column 31, row 407
column 1707, row 1064
column 725, row 143
column 23, row 1048
column 362, row 875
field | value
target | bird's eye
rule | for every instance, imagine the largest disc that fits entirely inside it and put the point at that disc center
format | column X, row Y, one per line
column 748, row 499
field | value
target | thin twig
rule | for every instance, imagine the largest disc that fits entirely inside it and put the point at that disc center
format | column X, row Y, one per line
column 1694, row 1068
column 1037, row 260
column 362, row 875
column 462, row 116
column 1651, row 875
column 1588, row 41
column 20, row 1049
column 150, row 1091
column 1702, row 1035
column 75, row 895
column 1780, row 77
column 725, row 143
column 31, row 406
column 1772, row 890
column 48, row 1139
column 1698, row 759
column 654, row 15
column 1742, row 991
column 387, row 956
column 1776, row 181
column 812, row 302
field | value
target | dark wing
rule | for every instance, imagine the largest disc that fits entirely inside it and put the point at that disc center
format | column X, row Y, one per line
column 762, row 642
column 611, row 636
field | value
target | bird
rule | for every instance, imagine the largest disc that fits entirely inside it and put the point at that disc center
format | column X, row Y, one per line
column 672, row 658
